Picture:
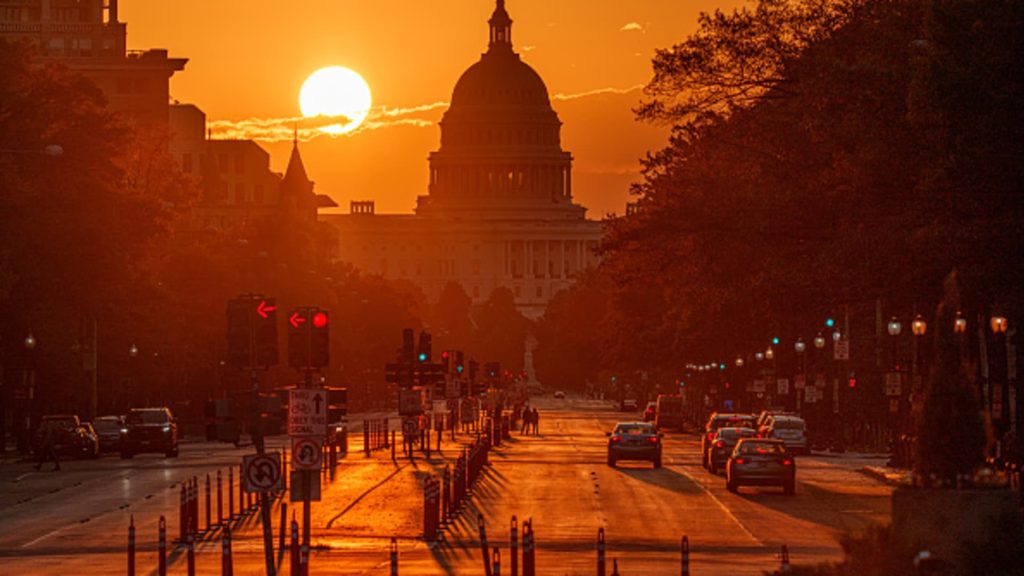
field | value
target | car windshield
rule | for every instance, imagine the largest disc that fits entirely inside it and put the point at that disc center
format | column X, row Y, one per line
column 788, row 425
column 147, row 417
column 731, row 422
column 61, row 422
column 761, row 448
column 735, row 433
column 107, row 424
column 633, row 429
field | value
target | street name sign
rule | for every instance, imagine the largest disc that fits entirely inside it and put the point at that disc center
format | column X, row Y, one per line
column 307, row 412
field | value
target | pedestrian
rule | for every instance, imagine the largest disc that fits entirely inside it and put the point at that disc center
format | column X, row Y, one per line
column 526, row 422
column 535, row 421
column 47, row 450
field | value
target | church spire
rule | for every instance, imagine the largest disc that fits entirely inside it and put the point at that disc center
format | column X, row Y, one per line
column 501, row 28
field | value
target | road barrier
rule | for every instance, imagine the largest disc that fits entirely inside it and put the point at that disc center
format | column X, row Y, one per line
column 191, row 555
column 529, row 562
column 615, row 567
column 227, row 565
column 231, row 495
column 182, row 514
column 294, row 555
column 394, row 557
column 513, row 549
column 208, row 502
column 283, row 528
column 446, row 495
column 131, row 546
column 684, row 557
column 600, row 552
column 496, row 564
column 161, row 548
column 220, row 507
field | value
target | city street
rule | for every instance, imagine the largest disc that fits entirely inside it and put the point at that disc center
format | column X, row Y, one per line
column 75, row 520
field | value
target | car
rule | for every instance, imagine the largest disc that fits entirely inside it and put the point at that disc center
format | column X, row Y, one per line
column 718, row 420
column 649, row 411
column 766, row 415
column 629, row 405
column 669, row 412
column 109, row 429
column 792, row 430
column 760, row 462
column 722, row 446
column 69, row 436
column 150, row 430
column 559, row 394
column 634, row 441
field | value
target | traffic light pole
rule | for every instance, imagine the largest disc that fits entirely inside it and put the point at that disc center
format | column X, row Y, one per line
column 307, row 489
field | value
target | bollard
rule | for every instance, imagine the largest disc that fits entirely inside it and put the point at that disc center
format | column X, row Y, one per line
column 497, row 562
column 220, row 507
column 227, row 566
column 161, row 548
column 294, row 556
column 191, row 556
column 446, row 494
column 483, row 544
column 784, row 566
column 426, row 435
column 207, row 501
column 131, row 546
column 182, row 517
column 394, row 557
column 440, row 435
column 529, row 565
column 600, row 552
column 231, row 494
column 366, row 437
column 393, row 446
column 194, row 519
column 685, row 557
column 241, row 491
column 283, row 528
column 615, row 567
column 513, row 550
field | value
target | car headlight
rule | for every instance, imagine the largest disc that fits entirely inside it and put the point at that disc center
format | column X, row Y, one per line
column 167, row 428
column 124, row 430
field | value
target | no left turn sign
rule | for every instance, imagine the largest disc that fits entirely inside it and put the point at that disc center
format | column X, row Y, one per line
column 306, row 453
column 263, row 473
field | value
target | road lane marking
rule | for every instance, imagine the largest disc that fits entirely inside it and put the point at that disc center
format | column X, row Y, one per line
column 719, row 503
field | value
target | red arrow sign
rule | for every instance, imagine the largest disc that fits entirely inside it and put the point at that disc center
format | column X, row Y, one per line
column 262, row 309
column 297, row 319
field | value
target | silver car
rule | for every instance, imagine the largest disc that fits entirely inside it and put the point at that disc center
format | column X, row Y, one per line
column 792, row 430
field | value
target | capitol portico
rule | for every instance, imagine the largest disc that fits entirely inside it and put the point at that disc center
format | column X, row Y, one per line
column 499, row 211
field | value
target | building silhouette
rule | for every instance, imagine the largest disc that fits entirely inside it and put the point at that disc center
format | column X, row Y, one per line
column 499, row 211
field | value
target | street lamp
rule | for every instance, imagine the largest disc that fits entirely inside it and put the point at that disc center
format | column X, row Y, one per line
column 769, row 353
column 30, row 341
column 998, row 324
column 837, row 335
column 919, row 326
column 960, row 324
column 759, row 356
column 895, row 327
column 799, row 346
column 739, row 361
column 819, row 341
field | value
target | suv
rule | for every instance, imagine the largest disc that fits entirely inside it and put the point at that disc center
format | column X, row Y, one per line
column 150, row 430
column 721, row 420
column 790, row 429
column 669, row 412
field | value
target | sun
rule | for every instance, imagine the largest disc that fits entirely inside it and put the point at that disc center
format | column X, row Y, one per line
column 337, row 95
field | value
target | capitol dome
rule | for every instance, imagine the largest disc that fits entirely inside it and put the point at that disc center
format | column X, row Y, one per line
column 500, row 79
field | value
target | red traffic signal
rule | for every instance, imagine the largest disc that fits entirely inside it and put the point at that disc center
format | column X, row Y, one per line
column 320, row 320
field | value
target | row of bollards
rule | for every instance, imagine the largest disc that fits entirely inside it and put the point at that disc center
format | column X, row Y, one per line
column 443, row 498
column 684, row 555
column 375, row 435
column 227, row 567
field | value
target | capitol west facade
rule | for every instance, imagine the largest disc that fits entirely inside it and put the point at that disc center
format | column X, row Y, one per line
column 499, row 210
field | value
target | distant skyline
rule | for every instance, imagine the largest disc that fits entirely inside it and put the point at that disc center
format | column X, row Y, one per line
column 247, row 64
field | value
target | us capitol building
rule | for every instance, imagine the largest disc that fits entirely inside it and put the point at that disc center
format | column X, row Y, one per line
column 499, row 210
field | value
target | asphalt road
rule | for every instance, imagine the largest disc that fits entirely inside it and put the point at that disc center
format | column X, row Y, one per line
column 74, row 521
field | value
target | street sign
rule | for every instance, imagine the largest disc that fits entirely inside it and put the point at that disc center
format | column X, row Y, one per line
column 893, row 384
column 757, row 386
column 410, row 401
column 410, row 425
column 842, row 349
column 812, row 394
column 307, row 453
column 799, row 381
column 307, row 412
column 262, row 473
column 783, row 385
column 297, row 492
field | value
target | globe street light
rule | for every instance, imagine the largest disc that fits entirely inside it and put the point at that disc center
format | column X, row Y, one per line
column 769, row 353
column 919, row 326
column 837, row 336
column 998, row 324
column 759, row 356
column 30, row 341
column 799, row 346
column 895, row 327
column 960, row 324
column 739, row 361
column 819, row 341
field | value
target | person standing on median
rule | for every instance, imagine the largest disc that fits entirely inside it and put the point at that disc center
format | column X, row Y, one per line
column 535, row 421
column 526, row 421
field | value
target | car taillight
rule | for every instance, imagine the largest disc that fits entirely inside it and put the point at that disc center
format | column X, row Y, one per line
column 652, row 439
column 740, row 461
column 616, row 438
column 719, row 444
column 787, row 462
column 711, row 436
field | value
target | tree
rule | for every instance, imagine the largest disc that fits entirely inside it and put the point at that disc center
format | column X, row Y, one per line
column 502, row 330
column 450, row 319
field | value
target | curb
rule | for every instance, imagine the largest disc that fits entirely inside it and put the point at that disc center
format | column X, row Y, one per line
column 882, row 476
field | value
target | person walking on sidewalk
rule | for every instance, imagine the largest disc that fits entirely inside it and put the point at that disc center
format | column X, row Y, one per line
column 526, row 422
column 535, row 421
column 47, row 450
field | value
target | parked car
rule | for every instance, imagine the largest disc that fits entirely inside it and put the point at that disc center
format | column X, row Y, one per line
column 150, row 430
column 669, row 412
column 68, row 435
column 766, row 415
column 760, row 462
column 650, row 411
column 723, row 444
column 634, row 441
column 559, row 394
column 110, row 429
column 792, row 430
column 720, row 420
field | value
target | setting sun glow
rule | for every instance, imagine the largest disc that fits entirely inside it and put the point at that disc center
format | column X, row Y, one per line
column 336, row 93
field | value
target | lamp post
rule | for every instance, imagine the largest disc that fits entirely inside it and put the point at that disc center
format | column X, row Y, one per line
column 133, row 354
column 27, row 394
column 999, row 324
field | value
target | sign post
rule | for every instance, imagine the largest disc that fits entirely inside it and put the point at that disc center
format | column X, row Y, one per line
column 307, row 425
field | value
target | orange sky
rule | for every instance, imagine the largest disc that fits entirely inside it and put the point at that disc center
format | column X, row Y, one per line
column 248, row 59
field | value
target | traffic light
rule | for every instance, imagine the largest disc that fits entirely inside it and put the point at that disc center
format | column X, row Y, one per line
column 320, row 339
column 266, row 332
column 407, row 352
column 423, row 350
column 446, row 361
column 460, row 366
column 238, row 332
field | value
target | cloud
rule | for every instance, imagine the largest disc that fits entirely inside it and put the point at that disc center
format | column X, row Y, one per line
column 527, row 48
column 631, row 27
column 306, row 129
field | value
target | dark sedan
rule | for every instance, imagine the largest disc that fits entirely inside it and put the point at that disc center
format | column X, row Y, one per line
column 634, row 441
column 722, row 445
column 760, row 462
column 110, row 429
column 66, row 435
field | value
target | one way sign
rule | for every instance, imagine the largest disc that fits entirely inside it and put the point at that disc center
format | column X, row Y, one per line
column 307, row 412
